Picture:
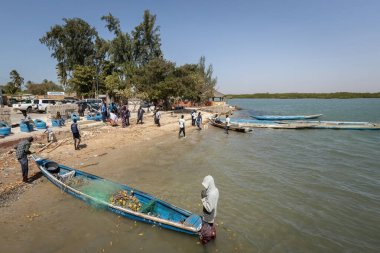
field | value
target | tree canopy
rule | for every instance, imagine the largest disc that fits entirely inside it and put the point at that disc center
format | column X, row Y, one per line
column 42, row 88
column 130, row 64
column 15, row 84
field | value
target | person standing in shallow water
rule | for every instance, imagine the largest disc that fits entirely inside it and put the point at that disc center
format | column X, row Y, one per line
column 22, row 152
column 76, row 135
column 228, row 123
column 209, row 198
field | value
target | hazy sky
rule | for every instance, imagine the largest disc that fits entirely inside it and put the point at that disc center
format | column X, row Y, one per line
column 254, row 46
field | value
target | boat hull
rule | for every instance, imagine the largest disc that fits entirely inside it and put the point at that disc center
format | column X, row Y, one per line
column 290, row 117
column 232, row 127
column 138, row 216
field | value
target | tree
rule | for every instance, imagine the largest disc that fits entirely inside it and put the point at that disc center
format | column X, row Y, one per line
column 146, row 40
column 207, row 89
column 15, row 84
column 83, row 80
column 71, row 44
column 151, row 77
column 42, row 88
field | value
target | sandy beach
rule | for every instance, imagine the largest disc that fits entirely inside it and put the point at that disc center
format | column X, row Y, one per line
column 96, row 140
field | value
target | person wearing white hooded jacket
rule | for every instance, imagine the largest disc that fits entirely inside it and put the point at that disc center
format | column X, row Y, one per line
column 210, row 196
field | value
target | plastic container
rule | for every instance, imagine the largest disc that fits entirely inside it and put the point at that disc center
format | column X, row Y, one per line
column 75, row 116
column 26, row 127
column 55, row 122
column 97, row 117
column 5, row 129
column 40, row 124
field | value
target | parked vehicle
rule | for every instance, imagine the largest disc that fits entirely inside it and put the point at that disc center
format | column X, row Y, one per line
column 93, row 100
column 42, row 104
column 25, row 105
column 92, row 107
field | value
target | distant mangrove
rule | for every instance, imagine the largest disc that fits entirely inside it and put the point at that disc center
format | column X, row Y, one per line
column 339, row 95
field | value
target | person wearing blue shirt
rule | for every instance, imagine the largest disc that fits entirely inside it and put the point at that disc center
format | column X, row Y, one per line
column 76, row 135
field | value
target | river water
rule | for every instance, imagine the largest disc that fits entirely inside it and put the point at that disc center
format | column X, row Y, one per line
column 313, row 190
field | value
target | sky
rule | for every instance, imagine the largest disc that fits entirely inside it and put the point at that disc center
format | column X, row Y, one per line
column 254, row 46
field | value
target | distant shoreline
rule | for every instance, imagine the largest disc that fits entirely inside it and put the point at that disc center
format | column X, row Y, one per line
column 340, row 95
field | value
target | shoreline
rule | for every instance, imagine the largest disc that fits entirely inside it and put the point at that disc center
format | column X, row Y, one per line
column 96, row 139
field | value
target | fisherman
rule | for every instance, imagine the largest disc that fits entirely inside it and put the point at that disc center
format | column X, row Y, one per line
column 58, row 117
column 199, row 120
column 140, row 115
column 123, row 115
column 228, row 120
column 217, row 119
column 209, row 197
column 157, row 117
column 22, row 151
column 50, row 134
column 27, row 120
column 104, row 111
column 193, row 117
column 113, row 119
column 128, row 113
column 76, row 135
column 181, row 127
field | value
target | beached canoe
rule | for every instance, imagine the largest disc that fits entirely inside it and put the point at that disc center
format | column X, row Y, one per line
column 120, row 199
column 341, row 125
column 289, row 117
column 233, row 127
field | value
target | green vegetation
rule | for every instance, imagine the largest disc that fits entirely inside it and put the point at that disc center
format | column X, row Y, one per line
column 42, row 88
column 340, row 95
column 131, row 64
column 14, row 86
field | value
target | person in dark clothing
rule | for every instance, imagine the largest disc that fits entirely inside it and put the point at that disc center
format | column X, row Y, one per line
column 140, row 115
column 128, row 116
column 104, row 111
column 81, row 109
column 123, row 115
column 22, row 151
column 76, row 135
column 199, row 121
column 157, row 117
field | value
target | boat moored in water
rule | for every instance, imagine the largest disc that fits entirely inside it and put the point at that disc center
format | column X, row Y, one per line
column 288, row 117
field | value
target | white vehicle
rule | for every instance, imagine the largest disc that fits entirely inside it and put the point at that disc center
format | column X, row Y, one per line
column 25, row 105
column 93, row 100
column 42, row 104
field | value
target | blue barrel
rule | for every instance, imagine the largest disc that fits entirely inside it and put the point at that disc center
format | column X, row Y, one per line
column 90, row 117
column 98, row 117
column 5, row 129
column 55, row 122
column 75, row 116
column 26, row 127
column 40, row 124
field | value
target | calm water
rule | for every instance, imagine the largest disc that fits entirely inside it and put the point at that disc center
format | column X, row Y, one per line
column 280, row 190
